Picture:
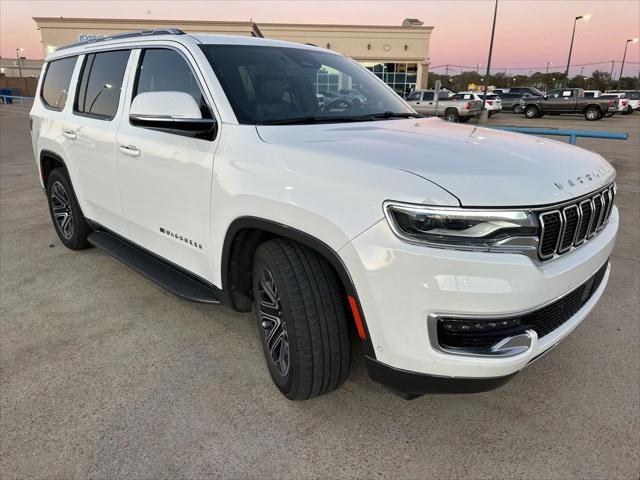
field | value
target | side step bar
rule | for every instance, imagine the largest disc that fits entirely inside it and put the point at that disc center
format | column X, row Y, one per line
column 164, row 274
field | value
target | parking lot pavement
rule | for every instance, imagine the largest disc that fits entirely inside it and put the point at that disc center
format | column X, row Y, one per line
column 103, row 374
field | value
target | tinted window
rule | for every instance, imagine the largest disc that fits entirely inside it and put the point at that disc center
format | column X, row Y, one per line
column 163, row 70
column 266, row 84
column 101, row 83
column 55, row 87
column 428, row 96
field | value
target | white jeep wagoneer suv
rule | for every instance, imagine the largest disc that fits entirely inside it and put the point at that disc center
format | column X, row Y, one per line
column 457, row 254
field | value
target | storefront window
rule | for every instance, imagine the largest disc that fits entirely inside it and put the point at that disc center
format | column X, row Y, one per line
column 402, row 77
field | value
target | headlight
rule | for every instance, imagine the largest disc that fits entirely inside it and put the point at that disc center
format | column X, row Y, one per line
column 465, row 229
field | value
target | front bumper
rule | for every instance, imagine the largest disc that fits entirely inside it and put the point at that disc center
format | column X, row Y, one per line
column 400, row 286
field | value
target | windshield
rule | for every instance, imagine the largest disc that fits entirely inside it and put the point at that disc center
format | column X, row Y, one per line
column 279, row 85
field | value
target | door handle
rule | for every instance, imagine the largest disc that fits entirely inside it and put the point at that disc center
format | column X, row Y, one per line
column 70, row 134
column 417, row 103
column 129, row 150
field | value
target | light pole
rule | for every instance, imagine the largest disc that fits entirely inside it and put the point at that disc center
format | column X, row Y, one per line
column 586, row 17
column 484, row 116
column 18, row 50
column 634, row 40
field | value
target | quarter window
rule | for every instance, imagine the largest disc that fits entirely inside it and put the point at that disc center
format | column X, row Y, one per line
column 163, row 70
column 101, row 83
column 55, row 87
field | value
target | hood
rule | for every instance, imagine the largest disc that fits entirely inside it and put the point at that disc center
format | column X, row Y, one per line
column 482, row 167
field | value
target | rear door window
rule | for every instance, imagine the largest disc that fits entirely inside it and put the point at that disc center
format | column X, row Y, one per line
column 55, row 86
column 101, row 84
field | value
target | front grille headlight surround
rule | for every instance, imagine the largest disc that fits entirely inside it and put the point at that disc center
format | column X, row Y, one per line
column 510, row 231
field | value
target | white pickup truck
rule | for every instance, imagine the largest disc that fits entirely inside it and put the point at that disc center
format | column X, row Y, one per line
column 453, row 108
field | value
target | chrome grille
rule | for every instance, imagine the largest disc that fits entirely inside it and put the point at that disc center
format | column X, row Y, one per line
column 562, row 229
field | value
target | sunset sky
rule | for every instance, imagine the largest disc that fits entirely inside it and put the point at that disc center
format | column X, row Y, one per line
column 528, row 33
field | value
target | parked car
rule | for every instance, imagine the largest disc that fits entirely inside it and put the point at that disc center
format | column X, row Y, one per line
column 532, row 91
column 624, row 107
column 569, row 100
column 493, row 104
column 353, row 93
column 633, row 96
column 513, row 101
column 621, row 102
column 456, row 254
column 453, row 109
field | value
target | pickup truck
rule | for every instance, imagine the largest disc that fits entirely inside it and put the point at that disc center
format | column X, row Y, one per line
column 454, row 109
column 569, row 100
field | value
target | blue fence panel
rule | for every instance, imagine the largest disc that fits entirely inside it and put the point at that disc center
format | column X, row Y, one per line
column 572, row 134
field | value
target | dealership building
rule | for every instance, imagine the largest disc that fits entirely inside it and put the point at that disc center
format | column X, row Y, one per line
column 399, row 55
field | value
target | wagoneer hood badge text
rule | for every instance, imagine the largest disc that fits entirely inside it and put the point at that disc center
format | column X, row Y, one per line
column 586, row 178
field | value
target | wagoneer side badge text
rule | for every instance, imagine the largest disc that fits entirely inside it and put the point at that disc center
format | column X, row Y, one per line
column 182, row 238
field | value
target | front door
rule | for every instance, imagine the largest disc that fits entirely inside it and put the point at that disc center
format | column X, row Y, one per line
column 166, row 178
column 560, row 100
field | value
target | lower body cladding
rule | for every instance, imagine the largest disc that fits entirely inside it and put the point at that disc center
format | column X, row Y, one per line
column 450, row 321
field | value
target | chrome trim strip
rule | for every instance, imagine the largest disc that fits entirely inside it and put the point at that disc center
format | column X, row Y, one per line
column 591, row 232
column 542, row 229
column 578, row 226
column 564, row 216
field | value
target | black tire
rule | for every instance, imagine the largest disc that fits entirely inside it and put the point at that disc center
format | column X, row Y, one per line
column 531, row 111
column 66, row 214
column 307, row 297
column 451, row 115
column 627, row 111
column 517, row 109
column 592, row 114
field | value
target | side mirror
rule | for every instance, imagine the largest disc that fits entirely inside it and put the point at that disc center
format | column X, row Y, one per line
column 175, row 112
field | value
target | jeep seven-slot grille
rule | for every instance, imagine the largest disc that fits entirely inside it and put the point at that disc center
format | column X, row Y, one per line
column 569, row 226
column 464, row 333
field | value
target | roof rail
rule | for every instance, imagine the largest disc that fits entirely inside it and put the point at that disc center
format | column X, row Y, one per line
column 141, row 33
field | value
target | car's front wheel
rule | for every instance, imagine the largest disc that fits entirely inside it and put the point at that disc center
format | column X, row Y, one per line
column 517, row 109
column 302, row 319
column 531, row 112
column 67, row 217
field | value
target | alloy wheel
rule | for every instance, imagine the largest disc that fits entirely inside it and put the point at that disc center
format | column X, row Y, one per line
column 62, row 212
column 272, row 325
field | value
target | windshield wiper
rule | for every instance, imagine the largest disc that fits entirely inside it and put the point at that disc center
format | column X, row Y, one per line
column 313, row 119
column 338, row 118
column 395, row 115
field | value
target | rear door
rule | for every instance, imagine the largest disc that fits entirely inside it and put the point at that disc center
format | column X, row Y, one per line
column 166, row 177
column 90, row 134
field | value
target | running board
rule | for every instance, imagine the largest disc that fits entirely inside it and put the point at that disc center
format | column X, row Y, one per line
column 161, row 272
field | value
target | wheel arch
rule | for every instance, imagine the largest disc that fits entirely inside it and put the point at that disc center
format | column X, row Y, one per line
column 48, row 162
column 592, row 105
column 243, row 237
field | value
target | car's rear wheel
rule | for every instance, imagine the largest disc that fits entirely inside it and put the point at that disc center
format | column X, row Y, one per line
column 67, row 217
column 302, row 319
column 531, row 111
column 451, row 115
column 592, row 113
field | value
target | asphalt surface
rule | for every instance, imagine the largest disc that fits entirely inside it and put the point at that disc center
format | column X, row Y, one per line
column 105, row 375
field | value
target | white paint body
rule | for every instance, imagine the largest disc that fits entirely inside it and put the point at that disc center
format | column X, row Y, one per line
column 330, row 181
